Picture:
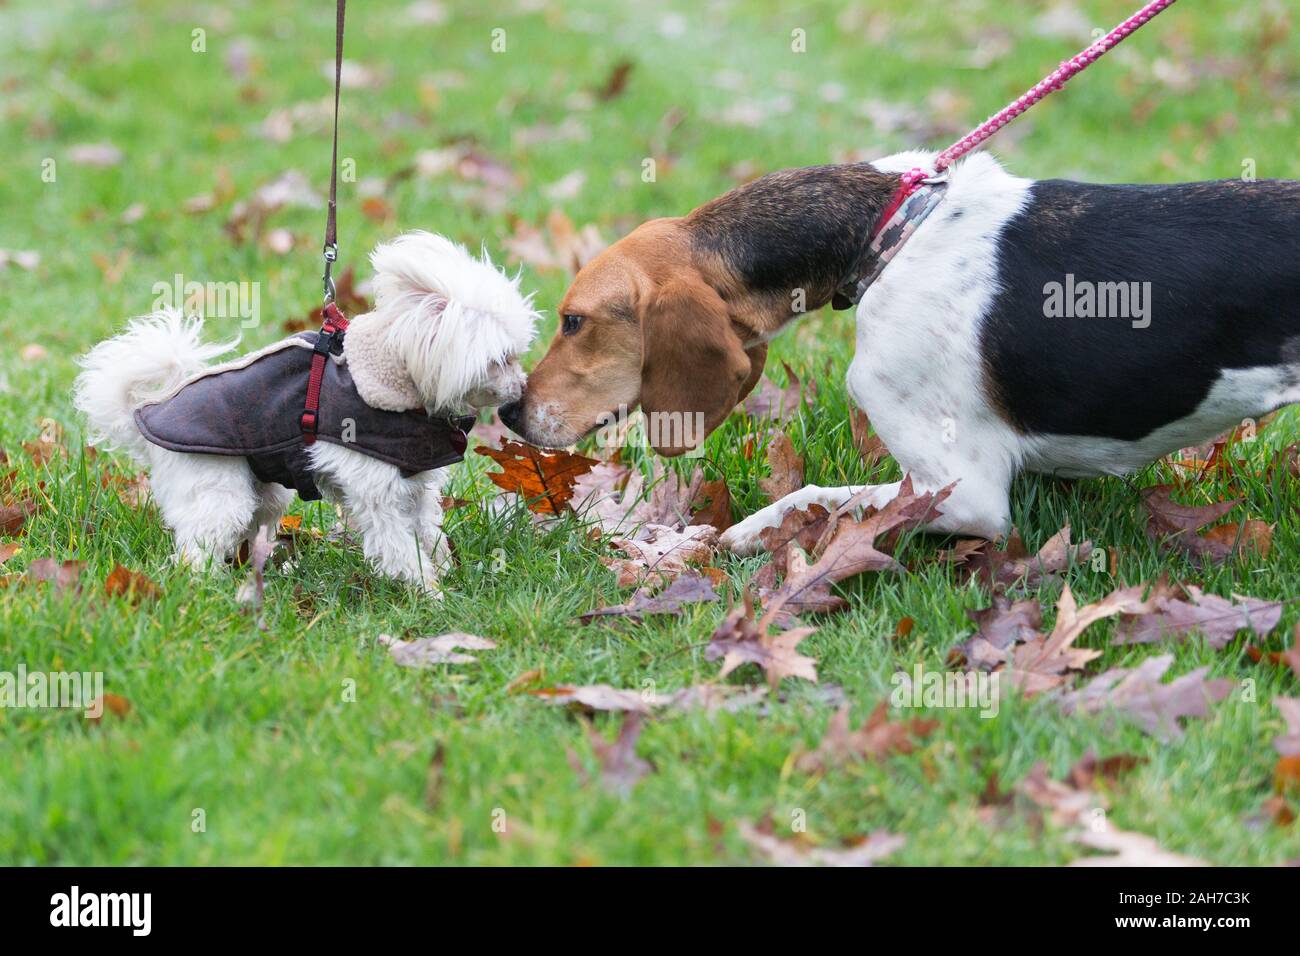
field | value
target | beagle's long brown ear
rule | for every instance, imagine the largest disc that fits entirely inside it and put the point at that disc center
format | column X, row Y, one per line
column 757, row 359
column 693, row 365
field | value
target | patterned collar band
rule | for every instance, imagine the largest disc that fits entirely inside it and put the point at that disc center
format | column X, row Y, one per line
column 915, row 202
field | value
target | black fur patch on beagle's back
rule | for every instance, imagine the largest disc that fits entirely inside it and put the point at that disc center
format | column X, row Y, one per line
column 1223, row 263
column 797, row 228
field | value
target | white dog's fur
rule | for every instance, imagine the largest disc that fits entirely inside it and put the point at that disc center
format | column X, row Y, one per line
column 445, row 333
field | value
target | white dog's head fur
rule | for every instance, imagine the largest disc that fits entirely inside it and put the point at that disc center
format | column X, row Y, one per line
column 446, row 329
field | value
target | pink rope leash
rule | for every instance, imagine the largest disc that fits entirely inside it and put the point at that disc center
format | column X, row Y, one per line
column 1049, row 85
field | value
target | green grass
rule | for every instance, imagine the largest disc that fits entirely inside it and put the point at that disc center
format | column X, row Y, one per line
column 253, row 726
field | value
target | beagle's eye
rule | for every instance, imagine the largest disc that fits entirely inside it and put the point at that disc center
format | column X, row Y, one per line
column 572, row 323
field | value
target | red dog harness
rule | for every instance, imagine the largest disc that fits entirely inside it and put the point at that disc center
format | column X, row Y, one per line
column 329, row 341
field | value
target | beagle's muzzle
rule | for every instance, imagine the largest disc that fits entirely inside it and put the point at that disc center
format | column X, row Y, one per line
column 1054, row 326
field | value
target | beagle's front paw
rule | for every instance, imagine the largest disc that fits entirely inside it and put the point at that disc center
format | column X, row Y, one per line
column 743, row 538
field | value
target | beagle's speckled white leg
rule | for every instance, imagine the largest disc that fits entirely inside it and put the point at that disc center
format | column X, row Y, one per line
column 743, row 537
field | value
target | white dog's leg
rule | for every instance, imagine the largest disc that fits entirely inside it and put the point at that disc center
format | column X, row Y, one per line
column 209, row 502
column 388, row 511
column 434, row 542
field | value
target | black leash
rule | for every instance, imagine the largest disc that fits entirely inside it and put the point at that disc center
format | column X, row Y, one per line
column 331, row 250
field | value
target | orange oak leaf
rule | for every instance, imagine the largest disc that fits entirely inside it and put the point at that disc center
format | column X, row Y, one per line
column 544, row 479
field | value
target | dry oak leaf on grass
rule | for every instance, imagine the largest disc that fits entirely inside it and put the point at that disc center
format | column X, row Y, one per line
column 1123, row 848
column 1175, row 527
column 591, row 698
column 999, row 628
column 135, row 587
column 619, row 499
column 1138, row 694
column 712, row 505
column 879, row 737
column 290, row 189
column 1065, row 802
column 770, row 401
column 1079, row 809
column 558, row 246
column 845, row 547
column 871, row 448
column 543, row 479
column 61, row 575
column 1000, row 570
column 14, row 516
column 786, row 466
column 660, row 553
column 743, row 639
column 1045, row 662
column 431, row 651
column 1286, row 776
column 114, row 704
column 620, row 767
column 1288, row 745
column 690, row 588
column 1218, row 618
column 796, row 852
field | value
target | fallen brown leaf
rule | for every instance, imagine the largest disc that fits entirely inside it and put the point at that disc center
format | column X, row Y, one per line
column 685, row 589
column 1128, row 849
column 14, row 516
column 620, row 767
column 870, row 446
column 661, row 553
column 786, row 466
column 712, row 504
column 865, row 852
column 1000, row 628
column 742, row 639
column 1175, row 527
column 1000, row 570
column 135, row 587
column 431, row 651
column 1043, row 662
column 1288, row 745
column 62, row 575
column 616, row 82
column 1138, row 694
column 769, row 401
column 114, row 704
column 874, row 740
column 543, row 479
column 1218, row 618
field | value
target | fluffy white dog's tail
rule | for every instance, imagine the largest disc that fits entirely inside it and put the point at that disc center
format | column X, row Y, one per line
column 154, row 355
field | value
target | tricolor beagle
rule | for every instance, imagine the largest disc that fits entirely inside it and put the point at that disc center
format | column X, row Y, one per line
column 1054, row 326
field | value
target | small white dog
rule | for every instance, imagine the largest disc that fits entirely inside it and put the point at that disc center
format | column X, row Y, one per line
column 224, row 443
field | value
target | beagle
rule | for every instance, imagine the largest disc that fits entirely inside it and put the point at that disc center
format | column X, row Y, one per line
column 1052, row 326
